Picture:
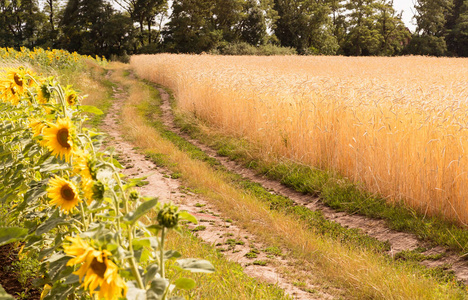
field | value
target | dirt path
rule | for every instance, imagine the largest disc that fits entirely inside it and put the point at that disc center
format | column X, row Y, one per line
column 378, row 229
column 217, row 230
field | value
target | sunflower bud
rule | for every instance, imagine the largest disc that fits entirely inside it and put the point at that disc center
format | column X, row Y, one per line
column 134, row 195
column 98, row 190
column 168, row 216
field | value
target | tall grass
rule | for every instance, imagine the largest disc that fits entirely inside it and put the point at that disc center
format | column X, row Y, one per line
column 396, row 125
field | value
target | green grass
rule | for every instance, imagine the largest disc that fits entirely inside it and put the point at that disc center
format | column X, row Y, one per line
column 228, row 282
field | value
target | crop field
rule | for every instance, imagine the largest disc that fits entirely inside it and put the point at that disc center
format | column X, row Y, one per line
column 396, row 125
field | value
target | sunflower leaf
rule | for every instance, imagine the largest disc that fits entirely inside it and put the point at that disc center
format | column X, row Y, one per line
column 91, row 109
column 145, row 207
column 184, row 215
column 151, row 271
column 185, row 283
column 50, row 224
column 157, row 288
column 172, row 254
column 12, row 234
column 134, row 293
column 196, row 265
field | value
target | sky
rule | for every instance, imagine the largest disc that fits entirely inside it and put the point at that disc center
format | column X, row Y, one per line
column 408, row 11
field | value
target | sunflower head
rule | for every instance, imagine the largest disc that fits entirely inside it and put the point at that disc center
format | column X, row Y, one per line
column 43, row 94
column 45, row 291
column 59, row 138
column 9, row 93
column 18, row 78
column 168, row 216
column 87, row 185
column 85, row 165
column 71, row 97
column 37, row 125
column 96, row 270
column 63, row 194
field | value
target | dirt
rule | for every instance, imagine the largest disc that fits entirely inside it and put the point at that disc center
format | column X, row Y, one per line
column 9, row 278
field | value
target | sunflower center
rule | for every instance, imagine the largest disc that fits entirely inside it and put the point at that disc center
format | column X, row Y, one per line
column 62, row 138
column 18, row 80
column 71, row 99
column 99, row 267
column 67, row 193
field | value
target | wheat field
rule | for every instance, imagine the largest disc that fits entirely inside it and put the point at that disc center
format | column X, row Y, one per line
column 396, row 125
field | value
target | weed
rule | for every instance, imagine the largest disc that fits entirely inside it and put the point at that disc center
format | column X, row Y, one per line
column 198, row 228
column 260, row 262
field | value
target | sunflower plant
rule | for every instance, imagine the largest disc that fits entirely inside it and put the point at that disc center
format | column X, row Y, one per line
column 64, row 199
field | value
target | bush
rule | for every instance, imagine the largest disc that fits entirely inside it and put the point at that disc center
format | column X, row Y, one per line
column 243, row 48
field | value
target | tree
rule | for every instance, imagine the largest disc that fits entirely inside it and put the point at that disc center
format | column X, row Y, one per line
column 191, row 29
column 20, row 22
column 395, row 35
column 306, row 26
column 93, row 27
column 145, row 11
column 457, row 39
column 373, row 28
column 430, row 33
column 252, row 26
column 363, row 37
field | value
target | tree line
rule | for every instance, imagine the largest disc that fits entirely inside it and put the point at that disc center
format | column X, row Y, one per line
column 328, row 27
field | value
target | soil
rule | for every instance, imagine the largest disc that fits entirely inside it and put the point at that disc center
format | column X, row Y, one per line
column 8, row 278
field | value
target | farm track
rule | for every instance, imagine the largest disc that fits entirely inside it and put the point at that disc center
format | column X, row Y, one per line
column 218, row 229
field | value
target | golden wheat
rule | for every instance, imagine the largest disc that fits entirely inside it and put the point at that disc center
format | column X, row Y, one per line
column 397, row 125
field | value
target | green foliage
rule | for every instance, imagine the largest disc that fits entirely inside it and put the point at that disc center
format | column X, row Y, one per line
column 305, row 26
column 243, row 48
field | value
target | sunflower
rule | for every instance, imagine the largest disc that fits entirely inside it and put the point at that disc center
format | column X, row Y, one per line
column 43, row 94
column 18, row 80
column 9, row 94
column 70, row 96
column 58, row 138
column 87, row 186
column 97, row 270
column 37, row 125
column 45, row 291
column 63, row 194
column 82, row 165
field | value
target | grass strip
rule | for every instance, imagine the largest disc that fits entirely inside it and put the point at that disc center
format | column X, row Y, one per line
column 362, row 273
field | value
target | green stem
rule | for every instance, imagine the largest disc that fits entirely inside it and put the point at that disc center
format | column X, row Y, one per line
column 62, row 100
column 117, row 214
column 161, row 254
column 132, row 261
column 83, row 219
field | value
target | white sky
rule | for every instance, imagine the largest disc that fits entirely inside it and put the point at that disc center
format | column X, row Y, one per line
column 408, row 10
